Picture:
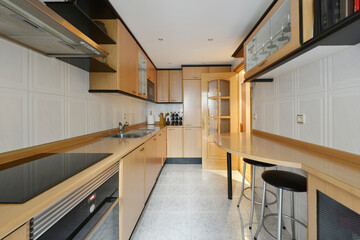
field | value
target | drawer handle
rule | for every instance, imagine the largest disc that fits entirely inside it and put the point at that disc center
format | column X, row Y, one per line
column 187, row 129
column 133, row 92
column 142, row 149
column 171, row 129
column 262, row 63
column 173, row 100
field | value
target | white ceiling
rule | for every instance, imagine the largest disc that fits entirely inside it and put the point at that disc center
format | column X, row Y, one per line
column 186, row 26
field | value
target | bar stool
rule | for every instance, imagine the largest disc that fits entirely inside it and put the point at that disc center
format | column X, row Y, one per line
column 283, row 180
column 254, row 164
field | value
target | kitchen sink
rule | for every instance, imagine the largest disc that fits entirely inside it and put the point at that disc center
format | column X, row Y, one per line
column 138, row 133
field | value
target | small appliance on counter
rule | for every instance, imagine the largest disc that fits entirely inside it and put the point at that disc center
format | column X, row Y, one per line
column 163, row 118
column 150, row 119
column 175, row 119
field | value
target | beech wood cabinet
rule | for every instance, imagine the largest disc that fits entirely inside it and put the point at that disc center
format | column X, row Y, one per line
column 194, row 73
column 175, row 142
column 169, row 86
column 192, row 142
column 138, row 173
column 133, row 197
column 192, row 103
column 22, row 233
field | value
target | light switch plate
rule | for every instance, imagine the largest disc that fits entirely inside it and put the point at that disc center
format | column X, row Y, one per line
column 300, row 119
column 254, row 116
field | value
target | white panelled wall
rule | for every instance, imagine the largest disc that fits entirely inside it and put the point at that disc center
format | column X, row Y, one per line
column 43, row 100
column 327, row 92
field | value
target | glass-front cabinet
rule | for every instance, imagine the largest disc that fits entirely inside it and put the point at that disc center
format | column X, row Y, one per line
column 276, row 36
column 142, row 75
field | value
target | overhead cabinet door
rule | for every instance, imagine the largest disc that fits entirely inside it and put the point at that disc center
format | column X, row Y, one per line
column 175, row 86
column 192, row 103
column 194, row 73
column 163, row 86
column 275, row 37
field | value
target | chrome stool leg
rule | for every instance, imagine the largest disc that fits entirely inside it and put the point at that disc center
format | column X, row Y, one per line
column 252, row 196
column 279, row 229
column 242, row 185
column 292, row 206
column 262, row 211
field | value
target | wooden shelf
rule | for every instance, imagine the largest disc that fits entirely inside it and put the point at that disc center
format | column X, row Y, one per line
column 72, row 13
column 88, row 64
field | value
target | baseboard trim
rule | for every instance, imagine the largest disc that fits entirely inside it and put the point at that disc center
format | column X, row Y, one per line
column 183, row 161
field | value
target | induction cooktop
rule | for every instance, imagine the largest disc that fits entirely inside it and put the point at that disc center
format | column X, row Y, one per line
column 36, row 174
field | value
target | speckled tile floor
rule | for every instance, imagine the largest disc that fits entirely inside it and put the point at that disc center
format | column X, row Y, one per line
column 190, row 203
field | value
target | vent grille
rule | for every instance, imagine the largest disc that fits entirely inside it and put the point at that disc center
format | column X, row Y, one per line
column 46, row 219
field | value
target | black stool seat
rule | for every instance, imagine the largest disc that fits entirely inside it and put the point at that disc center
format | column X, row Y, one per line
column 258, row 164
column 286, row 180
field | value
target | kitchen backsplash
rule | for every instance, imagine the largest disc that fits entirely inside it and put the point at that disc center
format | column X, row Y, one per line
column 163, row 108
column 43, row 100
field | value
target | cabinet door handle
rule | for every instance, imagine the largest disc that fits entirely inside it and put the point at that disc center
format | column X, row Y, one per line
column 187, row 129
column 133, row 92
column 154, row 139
column 171, row 129
column 142, row 149
column 262, row 63
column 160, row 135
column 173, row 100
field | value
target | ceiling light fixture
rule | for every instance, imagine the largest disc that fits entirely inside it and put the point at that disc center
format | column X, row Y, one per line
column 210, row 39
column 160, row 39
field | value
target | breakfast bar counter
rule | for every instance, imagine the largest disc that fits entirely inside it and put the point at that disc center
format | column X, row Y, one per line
column 320, row 161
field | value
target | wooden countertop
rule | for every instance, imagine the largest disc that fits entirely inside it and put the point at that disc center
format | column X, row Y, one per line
column 14, row 215
column 259, row 146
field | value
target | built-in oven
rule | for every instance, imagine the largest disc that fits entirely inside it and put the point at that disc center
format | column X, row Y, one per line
column 89, row 212
column 150, row 90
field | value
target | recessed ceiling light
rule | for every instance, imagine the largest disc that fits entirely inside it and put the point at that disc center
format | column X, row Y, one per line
column 160, row 39
column 169, row 63
column 210, row 39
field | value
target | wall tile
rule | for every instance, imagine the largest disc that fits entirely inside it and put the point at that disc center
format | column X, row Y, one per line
column 285, row 85
column 344, row 68
column 47, row 118
column 76, row 82
column 286, row 117
column 13, row 65
column 76, row 117
column 311, row 78
column 344, row 119
column 47, row 75
column 313, row 107
column 14, row 119
column 97, row 116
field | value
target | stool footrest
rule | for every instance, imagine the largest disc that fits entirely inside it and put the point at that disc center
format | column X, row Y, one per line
column 259, row 203
column 284, row 216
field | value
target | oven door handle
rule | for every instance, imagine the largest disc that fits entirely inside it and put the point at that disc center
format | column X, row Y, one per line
column 85, row 233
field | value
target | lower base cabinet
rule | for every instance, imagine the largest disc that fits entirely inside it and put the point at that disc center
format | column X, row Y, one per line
column 184, row 142
column 139, row 171
column 175, row 142
column 133, row 190
column 22, row 233
column 192, row 142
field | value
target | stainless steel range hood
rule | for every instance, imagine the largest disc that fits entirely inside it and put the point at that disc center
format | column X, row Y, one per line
column 33, row 24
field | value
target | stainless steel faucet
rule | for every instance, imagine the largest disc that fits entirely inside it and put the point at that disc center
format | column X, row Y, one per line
column 122, row 127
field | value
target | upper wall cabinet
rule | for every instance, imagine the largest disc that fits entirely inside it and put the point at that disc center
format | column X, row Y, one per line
column 124, row 57
column 194, row 73
column 277, row 35
column 169, row 86
column 151, row 71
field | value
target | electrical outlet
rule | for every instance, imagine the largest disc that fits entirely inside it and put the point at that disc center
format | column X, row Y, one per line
column 254, row 116
column 300, row 119
column 124, row 116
